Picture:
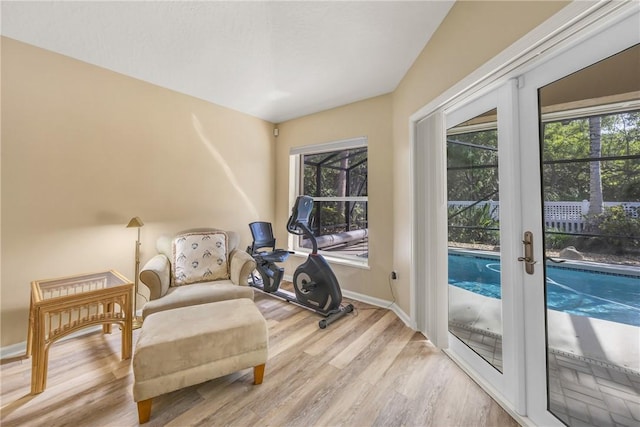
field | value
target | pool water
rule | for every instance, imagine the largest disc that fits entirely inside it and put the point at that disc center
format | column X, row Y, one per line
column 613, row 297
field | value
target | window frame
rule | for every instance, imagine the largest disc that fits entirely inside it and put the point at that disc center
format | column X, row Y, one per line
column 296, row 186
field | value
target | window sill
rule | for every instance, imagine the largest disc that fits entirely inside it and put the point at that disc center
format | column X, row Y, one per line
column 335, row 260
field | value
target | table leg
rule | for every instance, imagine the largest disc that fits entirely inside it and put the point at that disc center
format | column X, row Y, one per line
column 39, row 359
column 45, row 367
column 30, row 330
column 35, row 372
column 106, row 327
column 127, row 328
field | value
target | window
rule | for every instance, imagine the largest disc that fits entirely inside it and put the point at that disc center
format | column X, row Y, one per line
column 335, row 175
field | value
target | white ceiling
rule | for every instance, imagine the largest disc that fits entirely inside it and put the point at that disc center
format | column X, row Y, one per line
column 270, row 59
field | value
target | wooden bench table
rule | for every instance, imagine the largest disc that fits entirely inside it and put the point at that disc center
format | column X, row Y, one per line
column 62, row 306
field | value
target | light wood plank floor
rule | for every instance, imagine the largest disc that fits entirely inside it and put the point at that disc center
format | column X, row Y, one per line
column 367, row 369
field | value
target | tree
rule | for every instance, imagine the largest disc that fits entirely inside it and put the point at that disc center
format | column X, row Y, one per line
column 621, row 137
column 337, row 174
column 342, row 186
column 595, row 178
column 563, row 180
column 570, row 139
column 472, row 175
column 472, row 166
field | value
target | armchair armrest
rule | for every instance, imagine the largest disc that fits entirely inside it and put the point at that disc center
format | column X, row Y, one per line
column 156, row 275
column 241, row 266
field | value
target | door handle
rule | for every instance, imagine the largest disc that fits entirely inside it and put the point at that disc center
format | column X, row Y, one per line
column 528, row 260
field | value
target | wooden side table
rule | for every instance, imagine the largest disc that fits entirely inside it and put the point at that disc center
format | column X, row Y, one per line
column 62, row 306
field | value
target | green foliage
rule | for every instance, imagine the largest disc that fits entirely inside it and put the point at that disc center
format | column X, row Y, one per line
column 472, row 175
column 472, row 170
column 474, row 225
column 569, row 139
column 337, row 174
column 332, row 217
column 558, row 241
column 619, row 229
column 621, row 136
column 566, row 140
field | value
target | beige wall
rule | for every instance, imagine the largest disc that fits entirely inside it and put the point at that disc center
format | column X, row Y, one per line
column 85, row 149
column 472, row 33
column 370, row 118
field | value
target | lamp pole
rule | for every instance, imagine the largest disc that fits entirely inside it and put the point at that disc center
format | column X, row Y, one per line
column 137, row 223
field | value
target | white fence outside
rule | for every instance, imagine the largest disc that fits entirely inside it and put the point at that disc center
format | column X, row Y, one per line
column 567, row 217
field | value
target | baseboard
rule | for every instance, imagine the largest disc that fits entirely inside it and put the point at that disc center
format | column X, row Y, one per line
column 13, row 350
column 378, row 302
column 390, row 305
column 20, row 349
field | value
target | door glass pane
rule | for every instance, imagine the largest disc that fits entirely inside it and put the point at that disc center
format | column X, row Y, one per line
column 475, row 312
column 591, row 191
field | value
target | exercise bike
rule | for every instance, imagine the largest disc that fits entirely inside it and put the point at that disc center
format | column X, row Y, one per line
column 315, row 286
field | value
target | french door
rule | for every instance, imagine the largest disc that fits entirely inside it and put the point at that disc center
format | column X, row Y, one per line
column 535, row 256
column 582, row 316
column 483, row 216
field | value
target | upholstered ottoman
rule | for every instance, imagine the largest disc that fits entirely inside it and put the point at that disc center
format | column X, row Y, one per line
column 190, row 345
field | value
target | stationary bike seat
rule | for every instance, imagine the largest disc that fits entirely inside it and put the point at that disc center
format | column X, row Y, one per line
column 278, row 255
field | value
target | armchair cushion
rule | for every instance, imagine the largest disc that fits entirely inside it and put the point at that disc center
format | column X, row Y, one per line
column 195, row 294
column 241, row 266
column 200, row 257
column 157, row 275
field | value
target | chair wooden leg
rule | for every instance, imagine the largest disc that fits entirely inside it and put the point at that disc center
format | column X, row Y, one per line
column 144, row 411
column 258, row 374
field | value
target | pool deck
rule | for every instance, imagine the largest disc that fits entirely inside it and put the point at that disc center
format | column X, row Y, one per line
column 593, row 364
column 607, row 342
column 594, row 377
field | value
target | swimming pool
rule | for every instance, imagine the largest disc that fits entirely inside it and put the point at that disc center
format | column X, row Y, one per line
column 607, row 296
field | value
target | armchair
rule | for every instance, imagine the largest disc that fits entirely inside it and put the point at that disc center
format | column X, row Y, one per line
column 197, row 266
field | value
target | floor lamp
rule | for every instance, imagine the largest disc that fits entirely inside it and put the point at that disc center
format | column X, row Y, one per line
column 137, row 223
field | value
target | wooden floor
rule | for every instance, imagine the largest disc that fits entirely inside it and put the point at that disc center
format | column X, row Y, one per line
column 366, row 369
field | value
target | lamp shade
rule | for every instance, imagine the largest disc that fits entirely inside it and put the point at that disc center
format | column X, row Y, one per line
column 135, row 222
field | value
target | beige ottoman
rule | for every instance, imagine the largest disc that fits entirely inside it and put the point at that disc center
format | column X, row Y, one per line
column 190, row 345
